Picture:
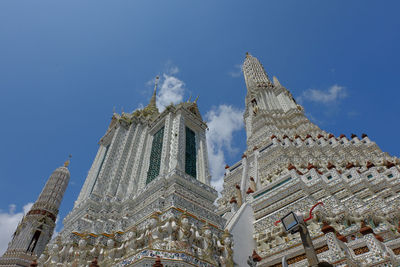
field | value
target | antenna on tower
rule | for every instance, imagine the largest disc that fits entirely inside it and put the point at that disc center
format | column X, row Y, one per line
column 156, row 82
column 66, row 163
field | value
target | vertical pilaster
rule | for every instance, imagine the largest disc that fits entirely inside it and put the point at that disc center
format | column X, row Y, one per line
column 118, row 161
column 146, row 162
column 93, row 172
column 138, row 162
column 123, row 151
column 245, row 176
column 178, row 144
column 132, row 152
column 100, row 186
column 203, row 173
column 165, row 156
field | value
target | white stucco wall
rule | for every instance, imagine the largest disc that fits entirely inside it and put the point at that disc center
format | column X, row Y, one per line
column 241, row 228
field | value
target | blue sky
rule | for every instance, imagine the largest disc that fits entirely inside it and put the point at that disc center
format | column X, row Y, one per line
column 64, row 65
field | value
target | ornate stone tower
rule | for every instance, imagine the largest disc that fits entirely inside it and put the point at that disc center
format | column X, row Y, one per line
column 36, row 228
column 289, row 165
column 147, row 194
column 270, row 108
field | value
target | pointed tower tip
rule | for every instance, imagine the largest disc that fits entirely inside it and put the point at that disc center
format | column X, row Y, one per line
column 247, row 54
column 153, row 97
column 151, row 109
column 276, row 82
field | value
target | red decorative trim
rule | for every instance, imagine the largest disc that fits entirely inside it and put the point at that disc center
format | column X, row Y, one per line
column 349, row 165
column 255, row 256
column 370, row 164
column 311, row 210
column 291, row 167
column 249, row 191
column 380, row 238
column 327, row 228
column 389, row 164
column 365, row 230
column 341, row 237
column 311, row 166
column 330, row 166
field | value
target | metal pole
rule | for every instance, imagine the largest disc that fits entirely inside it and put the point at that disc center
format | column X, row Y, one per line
column 308, row 245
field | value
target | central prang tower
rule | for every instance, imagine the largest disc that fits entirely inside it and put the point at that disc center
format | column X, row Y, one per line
column 290, row 165
column 147, row 194
column 270, row 108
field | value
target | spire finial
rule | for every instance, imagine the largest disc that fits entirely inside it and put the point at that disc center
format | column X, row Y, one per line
column 195, row 101
column 153, row 97
column 247, row 54
column 151, row 108
column 66, row 163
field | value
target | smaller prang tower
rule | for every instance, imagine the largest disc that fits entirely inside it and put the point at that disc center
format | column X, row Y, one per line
column 37, row 226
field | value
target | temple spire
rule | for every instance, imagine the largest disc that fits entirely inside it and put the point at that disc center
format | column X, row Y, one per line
column 153, row 97
column 151, row 109
column 254, row 72
column 37, row 226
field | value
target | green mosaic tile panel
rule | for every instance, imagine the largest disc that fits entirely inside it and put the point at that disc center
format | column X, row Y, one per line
column 155, row 156
column 190, row 155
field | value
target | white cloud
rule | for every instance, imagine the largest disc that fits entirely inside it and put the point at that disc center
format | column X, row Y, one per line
column 170, row 68
column 333, row 94
column 237, row 72
column 171, row 90
column 222, row 121
column 9, row 222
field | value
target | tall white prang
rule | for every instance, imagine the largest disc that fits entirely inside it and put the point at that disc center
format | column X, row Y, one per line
column 290, row 164
column 147, row 194
column 37, row 226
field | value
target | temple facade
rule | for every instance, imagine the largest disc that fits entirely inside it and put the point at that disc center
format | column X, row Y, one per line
column 147, row 194
column 290, row 165
column 37, row 226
